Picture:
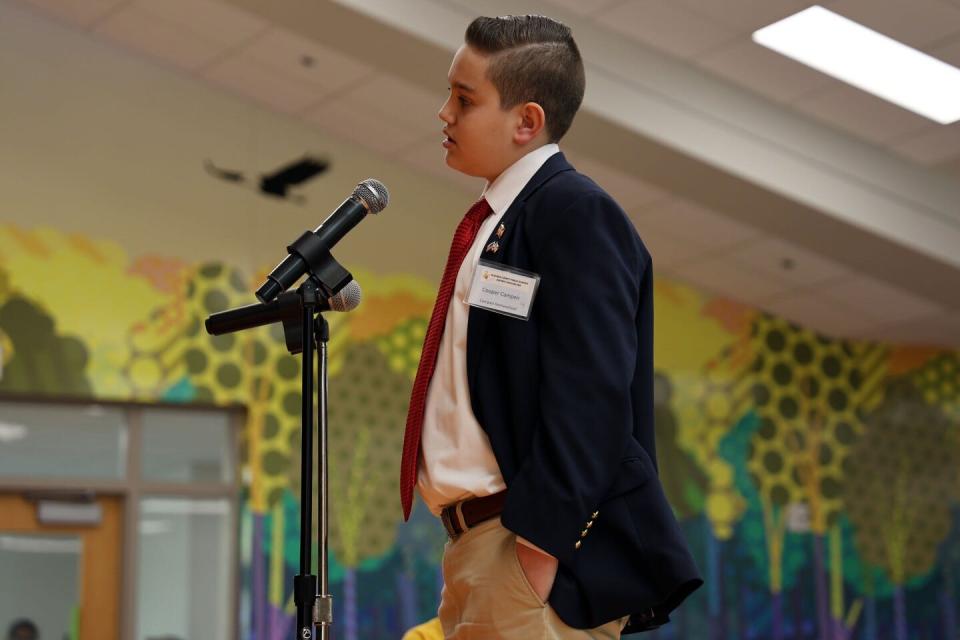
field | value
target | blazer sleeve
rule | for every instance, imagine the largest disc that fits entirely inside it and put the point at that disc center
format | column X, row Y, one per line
column 590, row 264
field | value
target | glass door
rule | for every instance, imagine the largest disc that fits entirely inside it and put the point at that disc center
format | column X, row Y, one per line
column 60, row 581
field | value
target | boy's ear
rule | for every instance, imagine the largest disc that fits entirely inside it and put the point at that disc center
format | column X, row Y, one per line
column 532, row 121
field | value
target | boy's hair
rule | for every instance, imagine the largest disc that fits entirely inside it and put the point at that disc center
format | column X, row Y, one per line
column 533, row 59
column 23, row 624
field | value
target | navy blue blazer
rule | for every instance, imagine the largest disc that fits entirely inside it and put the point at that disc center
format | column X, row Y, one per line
column 566, row 399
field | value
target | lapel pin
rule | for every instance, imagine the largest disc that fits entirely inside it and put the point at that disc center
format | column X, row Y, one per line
column 501, row 230
column 493, row 247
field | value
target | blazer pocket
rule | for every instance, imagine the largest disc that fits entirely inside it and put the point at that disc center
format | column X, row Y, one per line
column 632, row 474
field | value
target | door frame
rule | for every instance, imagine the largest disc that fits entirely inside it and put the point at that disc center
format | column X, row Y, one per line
column 100, row 558
column 132, row 488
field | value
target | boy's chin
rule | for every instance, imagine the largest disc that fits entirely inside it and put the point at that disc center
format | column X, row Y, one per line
column 456, row 164
column 452, row 160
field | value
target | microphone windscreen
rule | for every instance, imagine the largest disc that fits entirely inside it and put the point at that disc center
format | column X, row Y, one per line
column 347, row 299
column 374, row 194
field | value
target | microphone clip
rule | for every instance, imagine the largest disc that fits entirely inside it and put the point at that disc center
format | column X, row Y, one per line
column 321, row 265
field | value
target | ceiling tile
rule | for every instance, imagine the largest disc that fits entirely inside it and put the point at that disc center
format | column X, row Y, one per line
column 305, row 60
column 345, row 119
column 630, row 192
column 877, row 300
column 262, row 83
column 950, row 167
column 686, row 220
column 862, row 114
column 429, row 156
column 79, row 12
column 667, row 26
column 214, row 21
column 764, row 71
column 949, row 51
column 136, row 28
column 401, row 102
column 724, row 277
column 668, row 251
column 939, row 329
column 786, row 262
column 917, row 23
column 746, row 15
column 938, row 144
column 811, row 310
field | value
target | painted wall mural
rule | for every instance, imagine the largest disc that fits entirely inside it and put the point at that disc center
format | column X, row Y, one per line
column 818, row 479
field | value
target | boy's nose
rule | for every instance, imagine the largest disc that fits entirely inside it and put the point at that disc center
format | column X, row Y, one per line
column 444, row 113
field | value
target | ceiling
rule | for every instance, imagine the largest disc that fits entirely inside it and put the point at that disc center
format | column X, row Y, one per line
column 748, row 175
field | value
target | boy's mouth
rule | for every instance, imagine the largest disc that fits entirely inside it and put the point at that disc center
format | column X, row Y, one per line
column 447, row 141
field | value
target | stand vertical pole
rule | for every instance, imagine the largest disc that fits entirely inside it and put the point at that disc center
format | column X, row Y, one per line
column 305, row 584
column 324, row 600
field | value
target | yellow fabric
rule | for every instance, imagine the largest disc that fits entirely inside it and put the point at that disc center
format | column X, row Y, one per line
column 430, row 630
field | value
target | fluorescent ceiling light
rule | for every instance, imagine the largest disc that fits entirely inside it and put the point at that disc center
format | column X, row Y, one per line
column 868, row 60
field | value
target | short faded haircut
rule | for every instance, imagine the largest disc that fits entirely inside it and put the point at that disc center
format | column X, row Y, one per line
column 532, row 59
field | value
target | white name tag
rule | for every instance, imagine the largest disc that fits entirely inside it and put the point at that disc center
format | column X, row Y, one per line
column 503, row 289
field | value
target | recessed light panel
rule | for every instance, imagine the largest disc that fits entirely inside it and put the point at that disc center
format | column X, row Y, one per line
column 868, row 60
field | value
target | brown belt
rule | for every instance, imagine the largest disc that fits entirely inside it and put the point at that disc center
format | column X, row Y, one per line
column 460, row 516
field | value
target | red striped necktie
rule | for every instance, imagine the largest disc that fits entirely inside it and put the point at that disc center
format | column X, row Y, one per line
column 462, row 241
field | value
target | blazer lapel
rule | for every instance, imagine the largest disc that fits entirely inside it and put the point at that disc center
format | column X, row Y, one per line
column 479, row 319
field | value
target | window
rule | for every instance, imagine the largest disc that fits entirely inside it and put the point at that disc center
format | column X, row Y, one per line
column 62, row 441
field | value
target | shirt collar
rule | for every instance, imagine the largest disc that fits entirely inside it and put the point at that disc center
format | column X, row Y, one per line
column 501, row 193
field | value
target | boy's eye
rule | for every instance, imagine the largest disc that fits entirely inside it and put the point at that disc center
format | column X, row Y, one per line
column 463, row 101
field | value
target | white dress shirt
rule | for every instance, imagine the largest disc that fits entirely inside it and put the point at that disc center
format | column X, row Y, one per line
column 457, row 461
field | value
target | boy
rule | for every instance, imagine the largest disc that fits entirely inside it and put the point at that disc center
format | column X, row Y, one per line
column 530, row 430
column 23, row 629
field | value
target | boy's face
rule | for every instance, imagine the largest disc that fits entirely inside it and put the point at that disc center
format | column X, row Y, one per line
column 480, row 136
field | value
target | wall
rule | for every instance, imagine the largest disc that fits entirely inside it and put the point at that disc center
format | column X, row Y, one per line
column 100, row 141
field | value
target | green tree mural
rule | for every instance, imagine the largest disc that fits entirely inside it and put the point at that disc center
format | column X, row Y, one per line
column 42, row 361
column 900, row 470
column 421, row 538
column 809, row 391
column 685, row 484
column 938, row 380
column 861, row 577
column 708, row 404
column 366, row 434
column 763, row 533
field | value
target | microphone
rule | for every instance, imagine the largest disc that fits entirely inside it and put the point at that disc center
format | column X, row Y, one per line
column 312, row 248
column 285, row 308
column 347, row 299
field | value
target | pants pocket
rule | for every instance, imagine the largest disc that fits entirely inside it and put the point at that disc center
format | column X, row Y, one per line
column 518, row 569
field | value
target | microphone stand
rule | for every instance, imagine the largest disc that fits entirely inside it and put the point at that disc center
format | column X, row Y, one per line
column 306, row 595
column 323, row 612
column 307, row 332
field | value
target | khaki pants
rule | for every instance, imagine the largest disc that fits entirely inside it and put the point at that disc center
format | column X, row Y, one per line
column 487, row 596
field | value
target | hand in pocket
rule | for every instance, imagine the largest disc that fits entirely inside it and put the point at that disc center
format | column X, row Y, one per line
column 539, row 568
